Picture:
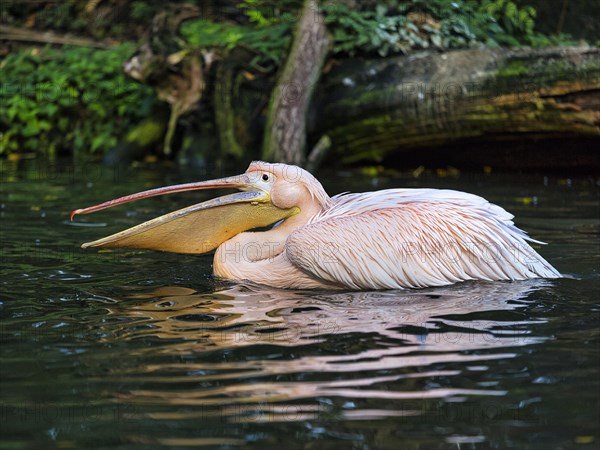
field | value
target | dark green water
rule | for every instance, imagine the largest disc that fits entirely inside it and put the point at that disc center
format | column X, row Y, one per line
column 143, row 350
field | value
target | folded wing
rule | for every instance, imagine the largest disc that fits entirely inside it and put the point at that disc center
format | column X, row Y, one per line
column 411, row 238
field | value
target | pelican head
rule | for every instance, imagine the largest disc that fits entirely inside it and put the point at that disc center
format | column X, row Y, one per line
column 269, row 193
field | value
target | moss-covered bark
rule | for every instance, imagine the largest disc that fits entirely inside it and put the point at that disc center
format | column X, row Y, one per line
column 432, row 100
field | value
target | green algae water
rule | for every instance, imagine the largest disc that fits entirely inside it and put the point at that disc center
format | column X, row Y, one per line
column 145, row 350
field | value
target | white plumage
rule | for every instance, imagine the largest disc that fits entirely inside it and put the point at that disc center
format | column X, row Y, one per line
column 414, row 238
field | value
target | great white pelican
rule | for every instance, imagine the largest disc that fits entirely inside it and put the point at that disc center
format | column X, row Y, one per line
column 388, row 239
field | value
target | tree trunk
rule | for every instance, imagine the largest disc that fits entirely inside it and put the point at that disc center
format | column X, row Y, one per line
column 224, row 92
column 285, row 130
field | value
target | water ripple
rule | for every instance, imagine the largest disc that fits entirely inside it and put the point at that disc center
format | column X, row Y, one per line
column 393, row 346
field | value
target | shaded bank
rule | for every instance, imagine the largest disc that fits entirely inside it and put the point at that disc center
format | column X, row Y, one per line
column 388, row 83
column 508, row 108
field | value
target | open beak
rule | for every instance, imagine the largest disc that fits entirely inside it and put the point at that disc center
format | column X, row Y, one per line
column 198, row 228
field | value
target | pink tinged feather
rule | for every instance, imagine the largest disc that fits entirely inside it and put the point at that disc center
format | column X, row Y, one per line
column 398, row 238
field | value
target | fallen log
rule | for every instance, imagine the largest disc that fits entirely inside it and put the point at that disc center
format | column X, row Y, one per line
column 513, row 108
column 478, row 106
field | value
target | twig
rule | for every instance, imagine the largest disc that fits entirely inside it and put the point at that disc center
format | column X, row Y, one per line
column 562, row 17
column 47, row 37
column 318, row 153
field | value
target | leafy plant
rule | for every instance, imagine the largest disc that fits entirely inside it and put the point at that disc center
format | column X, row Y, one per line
column 400, row 26
column 268, row 33
column 75, row 100
column 257, row 13
column 370, row 31
column 265, row 13
column 269, row 43
column 380, row 27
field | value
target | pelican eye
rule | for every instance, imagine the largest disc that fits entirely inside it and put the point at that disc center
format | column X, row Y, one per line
column 265, row 177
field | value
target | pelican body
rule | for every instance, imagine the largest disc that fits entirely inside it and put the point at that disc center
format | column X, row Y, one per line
column 388, row 239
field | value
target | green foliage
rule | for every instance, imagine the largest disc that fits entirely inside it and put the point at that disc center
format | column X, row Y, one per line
column 256, row 12
column 381, row 27
column 268, row 34
column 400, row 26
column 267, row 13
column 72, row 99
column 204, row 33
column 269, row 43
column 370, row 31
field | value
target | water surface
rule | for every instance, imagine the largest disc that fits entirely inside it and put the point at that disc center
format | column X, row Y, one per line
column 137, row 350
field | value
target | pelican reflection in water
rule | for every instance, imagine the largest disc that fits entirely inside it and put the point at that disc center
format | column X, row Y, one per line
column 299, row 342
column 247, row 314
column 388, row 239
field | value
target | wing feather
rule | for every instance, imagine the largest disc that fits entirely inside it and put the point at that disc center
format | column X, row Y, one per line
column 412, row 238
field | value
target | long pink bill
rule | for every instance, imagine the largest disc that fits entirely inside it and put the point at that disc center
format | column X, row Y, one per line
column 239, row 181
